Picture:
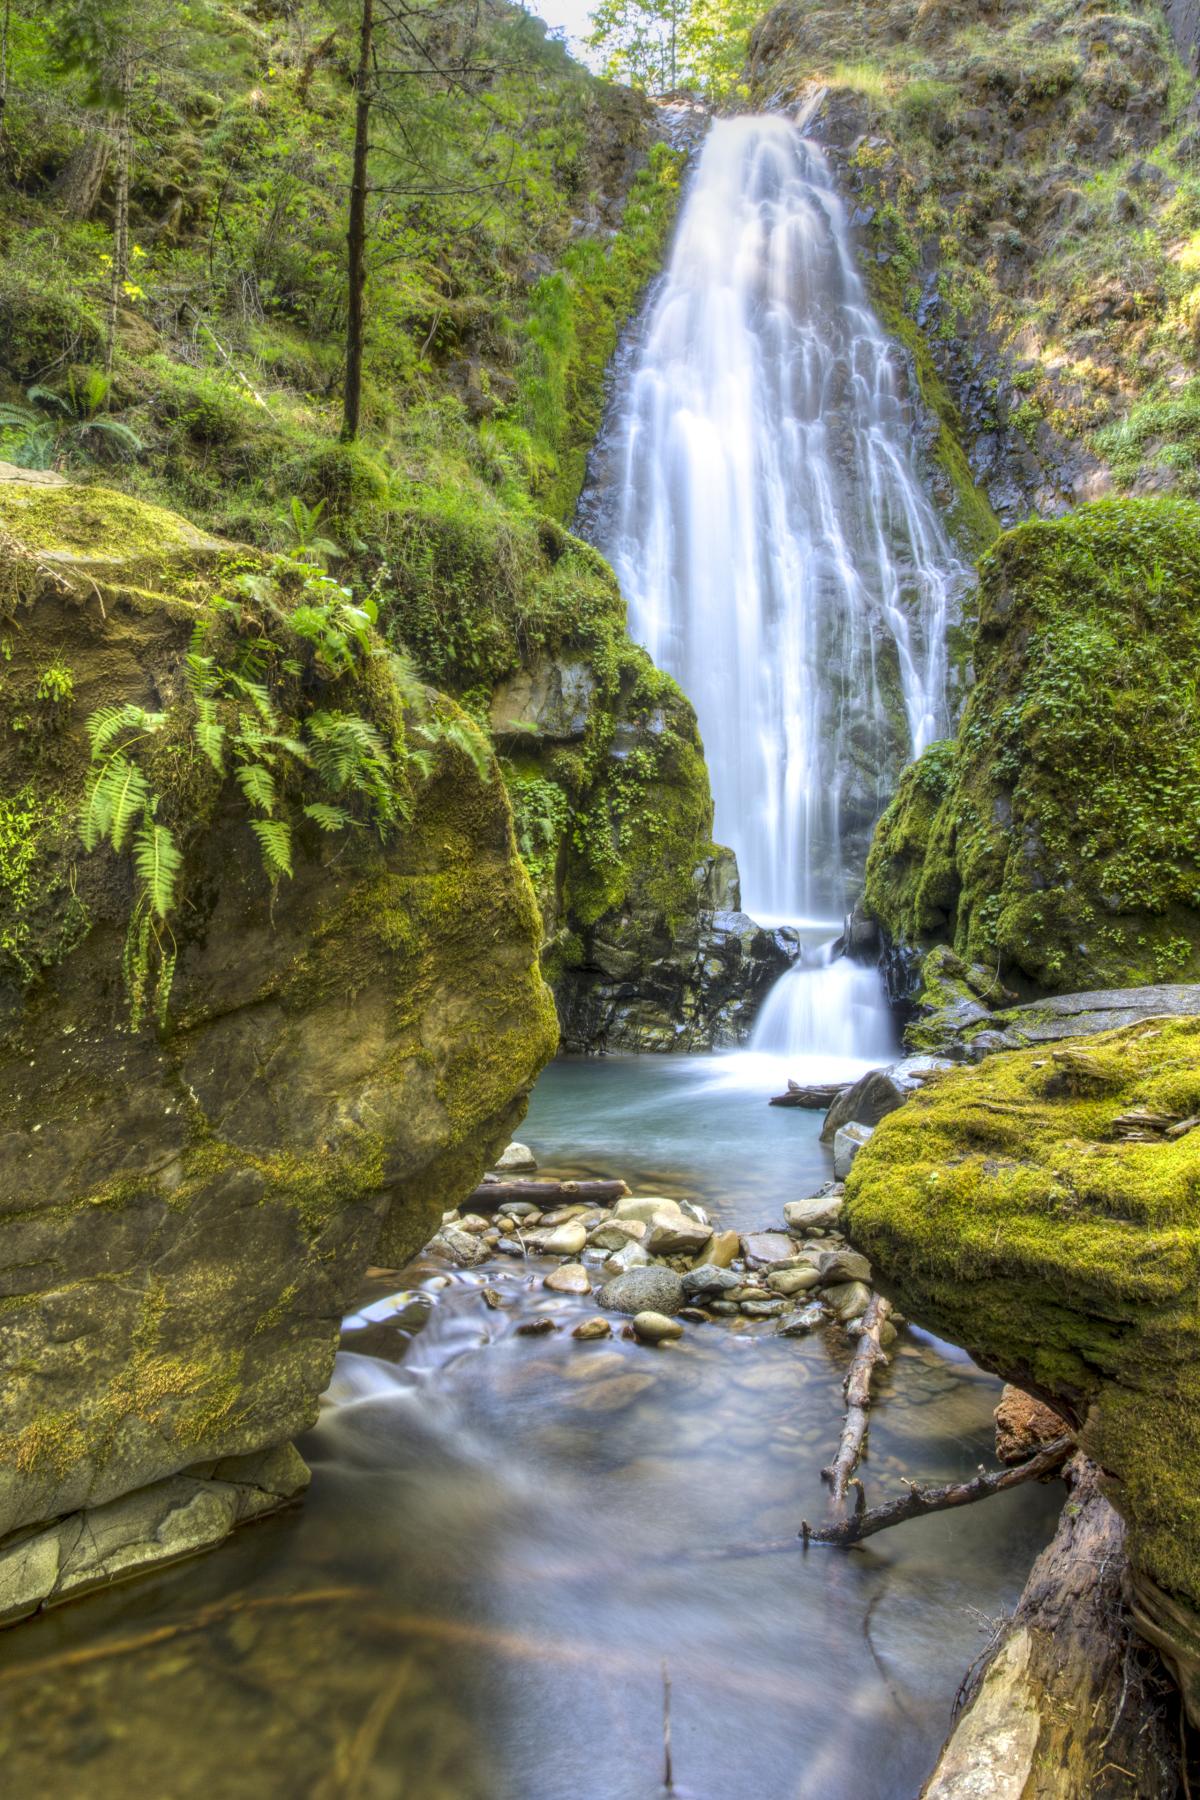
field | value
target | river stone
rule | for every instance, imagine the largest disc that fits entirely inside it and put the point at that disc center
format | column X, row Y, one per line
column 569, row 1278
column 708, row 1279
column 725, row 1309
column 458, row 1246
column 671, row 1237
column 763, row 1309
column 646, row 1207
column 843, row 1265
column 652, row 1289
column 800, row 1323
column 592, row 1329
column 614, row 1234
column 871, row 1099
column 537, row 1327
column 722, row 1248
column 630, row 1256
column 611, row 1396
column 793, row 1281
column 846, row 1146
column 848, row 1301
column 656, row 1328
column 564, row 1240
column 518, row 1158
column 559, row 1215
column 519, row 1209
column 819, row 1212
column 768, row 1249
column 694, row 1212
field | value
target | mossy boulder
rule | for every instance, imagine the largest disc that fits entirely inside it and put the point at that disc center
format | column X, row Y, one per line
column 1005, row 1210
column 187, row 1207
column 1057, row 841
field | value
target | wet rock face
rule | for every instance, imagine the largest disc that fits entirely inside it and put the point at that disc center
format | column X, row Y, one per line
column 186, row 1211
column 697, row 989
column 1036, row 1211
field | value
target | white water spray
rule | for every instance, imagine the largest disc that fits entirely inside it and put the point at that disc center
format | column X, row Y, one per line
column 777, row 549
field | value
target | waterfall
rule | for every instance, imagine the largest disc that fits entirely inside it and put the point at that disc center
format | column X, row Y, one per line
column 777, row 549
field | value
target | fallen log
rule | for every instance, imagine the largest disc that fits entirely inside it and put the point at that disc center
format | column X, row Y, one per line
column 918, row 1501
column 817, row 1097
column 867, row 1354
column 1067, row 1703
column 545, row 1193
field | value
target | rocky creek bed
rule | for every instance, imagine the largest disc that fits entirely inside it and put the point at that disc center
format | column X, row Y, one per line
column 508, row 1533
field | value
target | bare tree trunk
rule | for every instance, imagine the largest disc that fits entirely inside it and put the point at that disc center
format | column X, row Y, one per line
column 120, row 258
column 5, row 24
column 78, row 186
column 356, row 230
column 1070, row 1705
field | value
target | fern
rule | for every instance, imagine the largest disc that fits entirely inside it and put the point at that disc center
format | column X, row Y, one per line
column 107, row 723
column 275, row 842
column 463, row 736
column 116, row 795
column 210, row 733
column 157, row 860
column 258, row 785
column 329, row 818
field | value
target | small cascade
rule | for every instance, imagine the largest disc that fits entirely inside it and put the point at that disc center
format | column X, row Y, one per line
column 829, row 1010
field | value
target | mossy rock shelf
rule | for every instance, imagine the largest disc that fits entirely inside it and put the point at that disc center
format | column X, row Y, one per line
column 1005, row 1212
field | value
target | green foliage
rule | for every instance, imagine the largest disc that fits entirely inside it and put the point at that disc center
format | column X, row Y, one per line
column 664, row 46
column 55, row 428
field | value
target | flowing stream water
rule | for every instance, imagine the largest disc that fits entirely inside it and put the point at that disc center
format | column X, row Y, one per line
column 510, row 1540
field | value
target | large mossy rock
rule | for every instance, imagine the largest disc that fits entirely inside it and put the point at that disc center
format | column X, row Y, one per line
column 1057, row 841
column 1005, row 1210
column 186, row 1208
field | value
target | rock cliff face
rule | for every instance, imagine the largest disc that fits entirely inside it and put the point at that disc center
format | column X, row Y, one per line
column 1042, row 1211
column 1025, row 179
column 1056, row 840
column 186, row 1208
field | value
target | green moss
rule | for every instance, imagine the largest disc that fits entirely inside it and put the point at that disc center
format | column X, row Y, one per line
column 1061, row 842
column 1005, row 1214
column 969, row 512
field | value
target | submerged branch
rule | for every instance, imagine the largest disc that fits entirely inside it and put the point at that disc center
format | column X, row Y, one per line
column 918, row 1501
column 868, row 1353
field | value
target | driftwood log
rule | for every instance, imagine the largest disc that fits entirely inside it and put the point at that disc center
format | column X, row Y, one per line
column 921, row 1500
column 1068, row 1704
column 868, row 1352
column 817, row 1097
column 491, row 1194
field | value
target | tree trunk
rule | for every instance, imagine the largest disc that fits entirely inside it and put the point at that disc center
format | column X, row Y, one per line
column 356, row 230
column 5, row 24
column 79, row 184
column 1071, row 1704
column 123, row 135
column 595, row 1193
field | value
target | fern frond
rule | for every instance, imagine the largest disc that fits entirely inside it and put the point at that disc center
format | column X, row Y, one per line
column 107, row 723
column 329, row 818
column 275, row 841
column 210, row 733
column 258, row 785
column 157, row 860
column 117, row 793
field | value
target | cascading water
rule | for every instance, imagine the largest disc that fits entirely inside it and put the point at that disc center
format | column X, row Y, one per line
column 778, row 552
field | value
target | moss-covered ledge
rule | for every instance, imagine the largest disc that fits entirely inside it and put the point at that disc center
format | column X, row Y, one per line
column 1057, row 840
column 188, row 1205
column 1003, row 1211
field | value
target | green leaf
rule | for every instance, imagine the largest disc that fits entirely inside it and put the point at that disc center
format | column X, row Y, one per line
column 210, row 733
column 275, row 841
column 329, row 818
column 157, row 860
column 108, row 722
column 258, row 785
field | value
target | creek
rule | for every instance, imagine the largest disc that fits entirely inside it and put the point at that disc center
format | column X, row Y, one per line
column 510, row 1540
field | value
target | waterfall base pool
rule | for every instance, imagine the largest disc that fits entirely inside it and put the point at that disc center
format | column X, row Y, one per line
column 508, row 1537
